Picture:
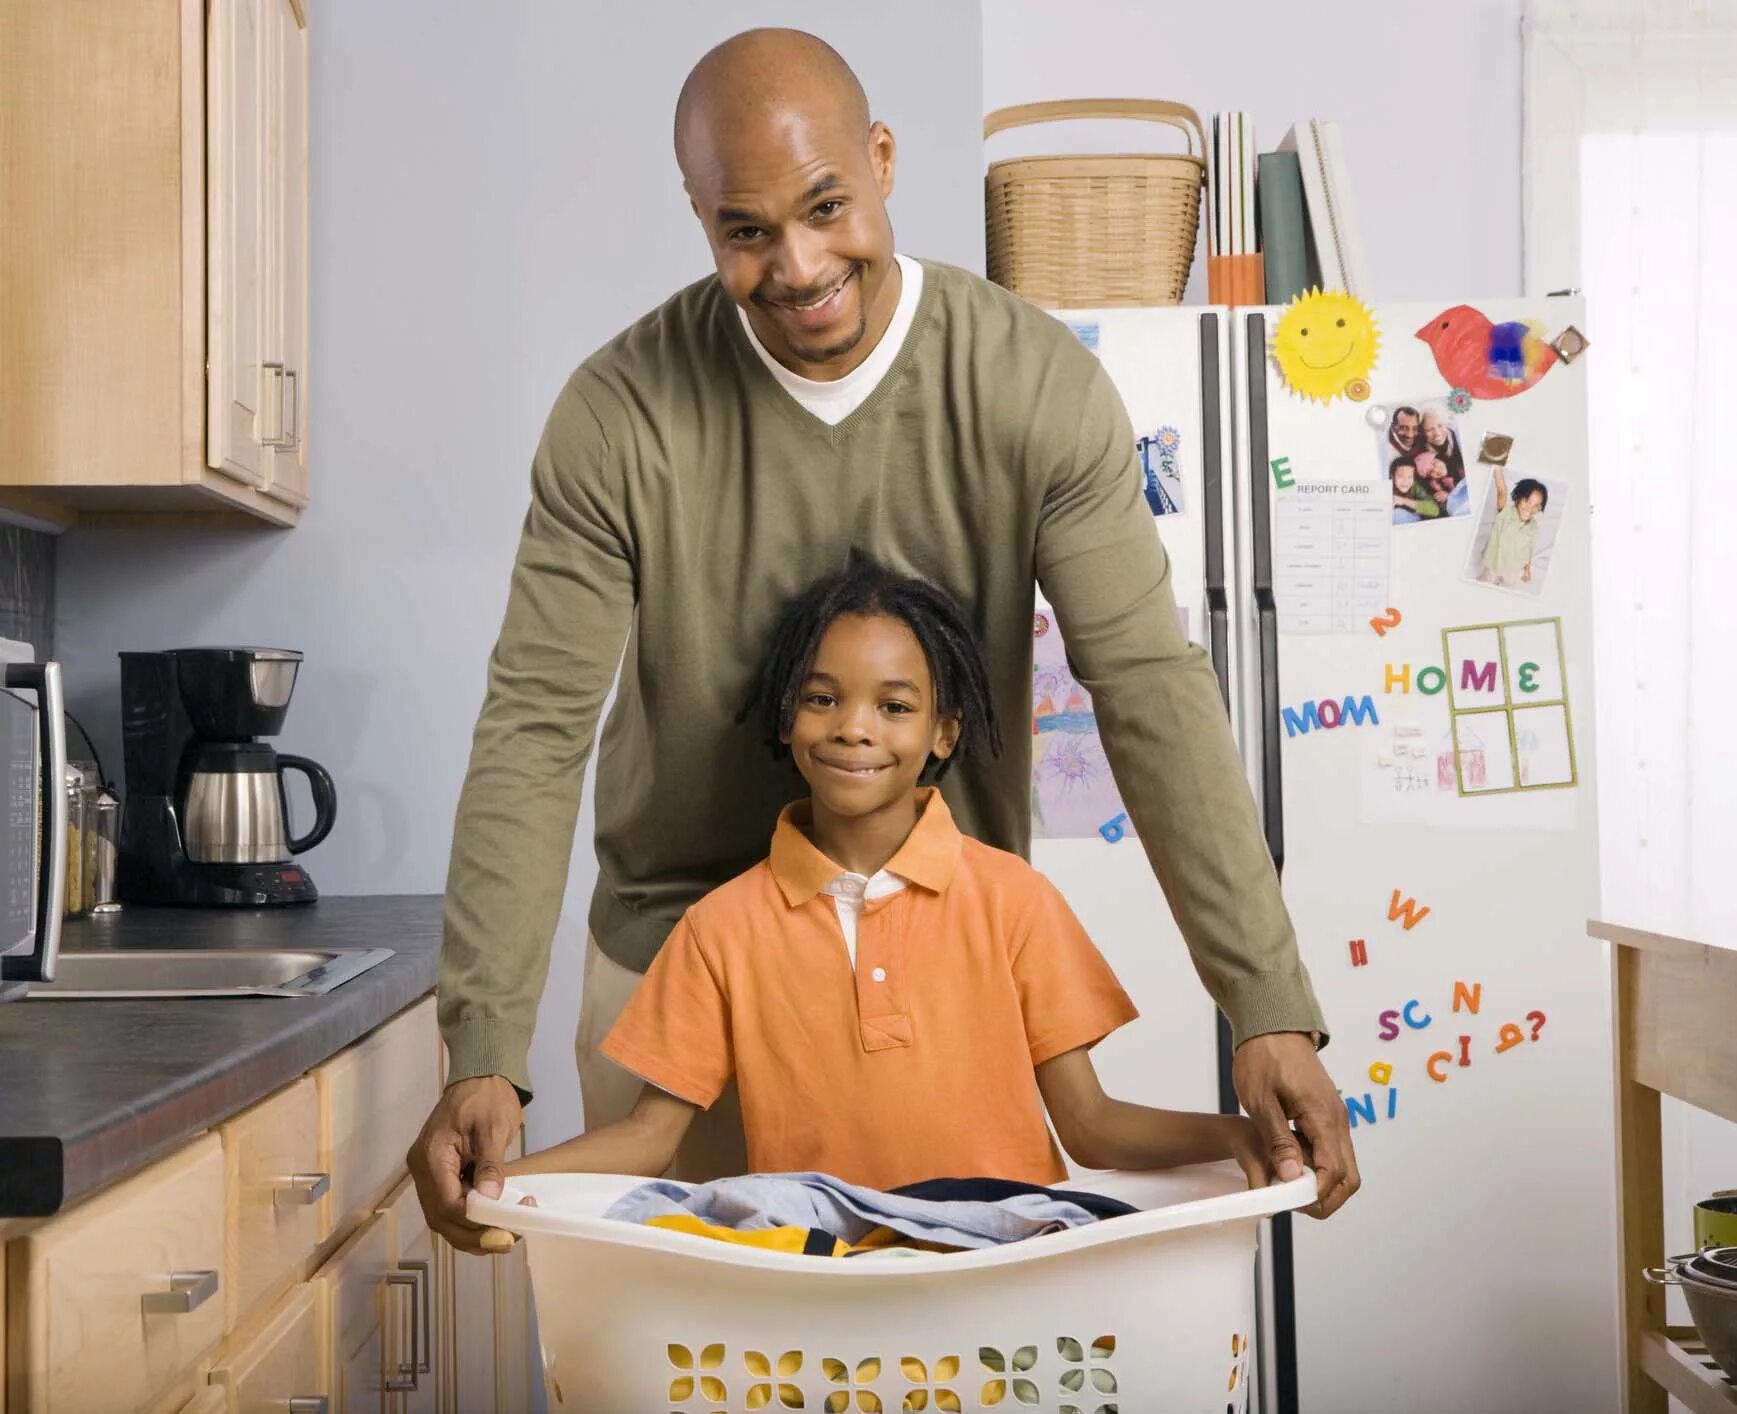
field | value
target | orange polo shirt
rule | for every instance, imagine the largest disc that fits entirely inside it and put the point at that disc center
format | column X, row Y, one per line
column 918, row 1064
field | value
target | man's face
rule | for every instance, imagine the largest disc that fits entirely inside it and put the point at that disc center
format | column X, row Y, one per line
column 796, row 217
column 865, row 722
column 1404, row 428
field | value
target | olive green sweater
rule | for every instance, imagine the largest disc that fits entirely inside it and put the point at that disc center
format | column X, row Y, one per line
column 680, row 498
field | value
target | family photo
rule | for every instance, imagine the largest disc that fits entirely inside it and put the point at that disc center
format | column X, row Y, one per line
column 1422, row 457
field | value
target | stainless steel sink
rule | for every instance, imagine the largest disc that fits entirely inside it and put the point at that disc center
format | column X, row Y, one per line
column 205, row 972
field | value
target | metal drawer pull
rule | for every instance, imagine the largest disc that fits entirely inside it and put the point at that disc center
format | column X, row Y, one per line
column 310, row 1404
column 293, row 441
column 187, row 1290
column 426, row 1364
column 302, row 1188
column 407, row 1369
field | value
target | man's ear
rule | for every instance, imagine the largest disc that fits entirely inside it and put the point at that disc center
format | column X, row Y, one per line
column 883, row 156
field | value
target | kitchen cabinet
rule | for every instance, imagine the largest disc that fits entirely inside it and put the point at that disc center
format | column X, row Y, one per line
column 207, row 1282
column 154, row 263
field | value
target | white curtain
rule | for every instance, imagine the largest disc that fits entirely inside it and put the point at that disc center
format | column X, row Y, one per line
column 1631, row 196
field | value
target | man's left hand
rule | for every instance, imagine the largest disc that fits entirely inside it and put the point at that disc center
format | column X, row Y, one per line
column 1279, row 1078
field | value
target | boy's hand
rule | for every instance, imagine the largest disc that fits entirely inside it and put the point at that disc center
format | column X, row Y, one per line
column 463, row 1145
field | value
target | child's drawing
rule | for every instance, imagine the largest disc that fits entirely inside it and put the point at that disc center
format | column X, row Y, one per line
column 1072, row 791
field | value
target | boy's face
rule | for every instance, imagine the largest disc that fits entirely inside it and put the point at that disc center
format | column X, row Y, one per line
column 1528, row 506
column 865, row 723
column 1403, row 479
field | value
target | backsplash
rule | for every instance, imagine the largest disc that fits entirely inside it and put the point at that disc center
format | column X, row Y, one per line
column 27, row 587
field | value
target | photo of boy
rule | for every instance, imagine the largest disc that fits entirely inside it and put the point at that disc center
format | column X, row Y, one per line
column 1411, row 500
column 1516, row 533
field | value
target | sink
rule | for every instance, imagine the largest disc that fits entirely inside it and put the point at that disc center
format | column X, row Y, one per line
column 205, row 972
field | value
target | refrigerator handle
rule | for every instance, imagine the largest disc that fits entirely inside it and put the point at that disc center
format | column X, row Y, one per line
column 1266, row 607
column 1212, row 448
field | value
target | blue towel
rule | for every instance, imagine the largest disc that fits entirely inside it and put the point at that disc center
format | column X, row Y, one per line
column 817, row 1200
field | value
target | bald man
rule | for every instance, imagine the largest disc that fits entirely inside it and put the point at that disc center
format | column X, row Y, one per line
column 820, row 397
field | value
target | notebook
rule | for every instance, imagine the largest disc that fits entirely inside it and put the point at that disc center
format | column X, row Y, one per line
column 1338, row 261
column 1284, row 227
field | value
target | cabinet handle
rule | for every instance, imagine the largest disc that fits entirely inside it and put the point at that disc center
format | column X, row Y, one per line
column 310, row 1404
column 275, row 439
column 187, row 1291
column 302, row 1189
column 294, row 380
column 426, row 1363
column 407, row 1369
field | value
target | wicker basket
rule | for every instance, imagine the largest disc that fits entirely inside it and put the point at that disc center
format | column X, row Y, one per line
column 1095, row 232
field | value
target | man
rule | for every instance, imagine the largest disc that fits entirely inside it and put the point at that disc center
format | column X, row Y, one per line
column 820, row 397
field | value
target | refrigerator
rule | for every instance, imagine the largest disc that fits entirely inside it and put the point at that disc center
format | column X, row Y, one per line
column 1411, row 694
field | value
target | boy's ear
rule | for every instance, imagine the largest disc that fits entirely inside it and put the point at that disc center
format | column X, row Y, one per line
column 947, row 736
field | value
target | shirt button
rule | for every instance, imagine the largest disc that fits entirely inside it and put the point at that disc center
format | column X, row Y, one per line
column 879, row 974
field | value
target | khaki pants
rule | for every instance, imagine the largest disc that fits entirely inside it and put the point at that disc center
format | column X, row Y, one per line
column 714, row 1146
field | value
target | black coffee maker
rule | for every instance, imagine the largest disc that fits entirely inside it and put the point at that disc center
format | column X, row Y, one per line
column 206, row 820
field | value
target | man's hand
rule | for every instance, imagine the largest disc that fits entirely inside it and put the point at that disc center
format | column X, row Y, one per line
column 1279, row 1078
column 470, row 1128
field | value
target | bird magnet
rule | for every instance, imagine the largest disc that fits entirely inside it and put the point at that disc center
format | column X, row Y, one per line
column 1326, row 345
column 1481, row 359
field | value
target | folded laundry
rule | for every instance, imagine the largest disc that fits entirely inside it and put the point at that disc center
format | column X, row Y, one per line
column 959, row 1213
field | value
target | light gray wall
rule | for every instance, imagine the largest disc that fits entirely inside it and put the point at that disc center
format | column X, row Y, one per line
column 492, row 198
column 1428, row 96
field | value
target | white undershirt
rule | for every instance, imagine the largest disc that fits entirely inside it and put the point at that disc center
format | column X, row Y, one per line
column 849, row 892
column 834, row 401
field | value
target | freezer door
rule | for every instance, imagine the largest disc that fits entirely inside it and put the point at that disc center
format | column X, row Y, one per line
column 1419, row 721
column 1170, row 366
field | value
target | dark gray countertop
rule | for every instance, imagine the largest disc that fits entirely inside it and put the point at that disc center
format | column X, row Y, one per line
column 91, row 1090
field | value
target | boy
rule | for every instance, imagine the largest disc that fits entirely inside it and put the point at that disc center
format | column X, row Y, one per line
column 1507, row 559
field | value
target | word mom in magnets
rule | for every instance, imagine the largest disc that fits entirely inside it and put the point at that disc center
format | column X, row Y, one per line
column 1326, row 714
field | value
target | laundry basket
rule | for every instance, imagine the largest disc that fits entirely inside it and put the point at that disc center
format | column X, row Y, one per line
column 1140, row 1314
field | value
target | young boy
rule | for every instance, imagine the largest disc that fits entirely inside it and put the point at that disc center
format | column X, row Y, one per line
column 1408, row 494
column 896, row 1002
column 1507, row 559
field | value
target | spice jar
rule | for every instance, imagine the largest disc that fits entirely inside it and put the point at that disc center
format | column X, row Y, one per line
column 101, row 838
column 74, row 785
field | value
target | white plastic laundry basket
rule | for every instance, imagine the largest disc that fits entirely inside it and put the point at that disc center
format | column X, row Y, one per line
column 1139, row 1315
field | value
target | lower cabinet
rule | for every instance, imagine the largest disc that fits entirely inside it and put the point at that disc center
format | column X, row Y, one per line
column 199, row 1285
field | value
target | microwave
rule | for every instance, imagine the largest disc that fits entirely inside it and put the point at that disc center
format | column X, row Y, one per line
column 33, row 818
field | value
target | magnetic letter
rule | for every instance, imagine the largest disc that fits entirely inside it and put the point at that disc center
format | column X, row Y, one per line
column 1364, row 1107
column 1359, row 952
column 1283, row 476
column 1511, row 1036
column 1392, row 1103
column 1360, row 711
column 1381, row 1073
column 1388, row 1029
column 1382, row 622
column 1465, row 1050
column 1322, row 707
column 1439, row 679
column 1528, row 677
column 1112, row 830
column 1295, row 724
column 1472, row 996
column 1415, row 1025
column 1413, row 914
column 1429, row 1065
column 1478, row 680
column 1538, row 1024
column 1403, row 677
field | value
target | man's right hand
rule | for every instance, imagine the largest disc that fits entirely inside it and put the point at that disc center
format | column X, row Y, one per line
column 470, row 1128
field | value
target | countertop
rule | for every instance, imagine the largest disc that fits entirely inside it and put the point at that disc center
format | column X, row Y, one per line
column 92, row 1090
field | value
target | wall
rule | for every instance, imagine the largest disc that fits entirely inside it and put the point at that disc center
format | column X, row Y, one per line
column 27, row 587
column 1428, row 96
column 490, row 202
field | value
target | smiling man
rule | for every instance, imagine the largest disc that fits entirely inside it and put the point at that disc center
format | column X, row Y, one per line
column 820, row 398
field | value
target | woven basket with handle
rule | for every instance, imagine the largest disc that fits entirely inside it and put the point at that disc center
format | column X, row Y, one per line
column 1082, row 232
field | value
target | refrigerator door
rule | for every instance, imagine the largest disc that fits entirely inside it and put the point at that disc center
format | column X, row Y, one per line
column 1423, row 743
column 1171, row 367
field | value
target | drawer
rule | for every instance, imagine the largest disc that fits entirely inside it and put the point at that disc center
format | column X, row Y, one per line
column 283, row 1367
column 274, row 1184
column 420, row 1320
column 358, row 1292
column 119, row 1298
column 209, row 1400
column 373, row 1100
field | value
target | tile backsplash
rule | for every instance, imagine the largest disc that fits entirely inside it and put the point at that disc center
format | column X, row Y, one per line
column 27, row 587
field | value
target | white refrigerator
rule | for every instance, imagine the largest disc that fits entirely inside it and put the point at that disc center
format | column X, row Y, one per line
column 1411, row 691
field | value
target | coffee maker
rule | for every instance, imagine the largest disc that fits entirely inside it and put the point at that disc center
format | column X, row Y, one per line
column 206, row 820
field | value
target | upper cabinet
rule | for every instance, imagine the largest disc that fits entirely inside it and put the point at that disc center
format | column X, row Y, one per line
column 154, row 260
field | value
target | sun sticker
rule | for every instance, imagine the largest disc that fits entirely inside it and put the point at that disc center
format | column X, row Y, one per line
column 1326, row 345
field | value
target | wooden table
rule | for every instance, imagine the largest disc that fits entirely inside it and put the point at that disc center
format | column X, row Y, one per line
column 1674, row 1005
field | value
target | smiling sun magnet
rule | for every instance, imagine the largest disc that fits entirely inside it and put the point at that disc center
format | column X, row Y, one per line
column 1326, row 342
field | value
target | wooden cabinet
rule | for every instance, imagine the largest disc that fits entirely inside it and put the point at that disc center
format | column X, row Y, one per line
column 111, row 1304
column 209, row 1285
column 153, row 260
